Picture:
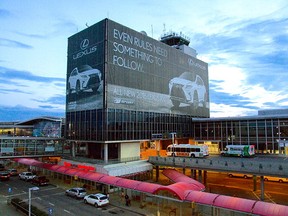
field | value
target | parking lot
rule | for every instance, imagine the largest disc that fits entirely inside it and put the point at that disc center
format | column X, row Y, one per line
column 52, row 199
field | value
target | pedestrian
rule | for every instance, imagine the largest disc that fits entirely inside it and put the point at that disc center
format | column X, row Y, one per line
column 127, row 200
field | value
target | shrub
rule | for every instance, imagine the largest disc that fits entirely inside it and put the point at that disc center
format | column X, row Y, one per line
column 24, row 207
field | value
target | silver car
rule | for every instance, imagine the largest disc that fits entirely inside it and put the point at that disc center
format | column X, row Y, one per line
column 76, row 192
column 26, row 176
column 188, row 88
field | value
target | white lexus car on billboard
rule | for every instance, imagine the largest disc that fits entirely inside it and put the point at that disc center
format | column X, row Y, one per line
column 188, row 88
column 84, row 78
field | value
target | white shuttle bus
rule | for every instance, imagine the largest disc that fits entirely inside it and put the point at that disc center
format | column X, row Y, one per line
column 239, row 150
column 187, row 150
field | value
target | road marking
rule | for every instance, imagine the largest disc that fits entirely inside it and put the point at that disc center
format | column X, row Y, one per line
column 266, row 196
column 51, row 204
column 15, row 195
column 68, row 212
column 269, row 197
column 256, row 195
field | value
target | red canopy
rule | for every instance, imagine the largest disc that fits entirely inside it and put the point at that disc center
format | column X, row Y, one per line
column 128, row 183
column 201, row 197
column 175, row 176
column 235, row 203
column 178, row 189
column 147, row 187
column 73, row 172
column 264, row 208
column 54, row 167
column 93, row 176
column 62, row 169
column 110, row 180
column 29, row 162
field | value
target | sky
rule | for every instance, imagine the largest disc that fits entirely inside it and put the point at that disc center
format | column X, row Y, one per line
column 244, row 42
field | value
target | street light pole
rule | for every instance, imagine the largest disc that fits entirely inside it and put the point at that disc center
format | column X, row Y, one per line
column 31, row 189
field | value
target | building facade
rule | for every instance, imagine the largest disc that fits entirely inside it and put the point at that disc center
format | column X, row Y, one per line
column 39, row 136
column 123, row 87
column 268, row 131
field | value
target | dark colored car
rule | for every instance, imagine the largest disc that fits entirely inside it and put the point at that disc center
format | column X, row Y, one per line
column 13, row 172
column 40, row 180
column 4, row 175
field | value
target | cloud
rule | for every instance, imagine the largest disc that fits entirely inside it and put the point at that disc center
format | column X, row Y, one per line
column 247, row 65
column 4, row 13
column 22, row 113
column 57, row 99
column 12, row 74
column 60, row 27
column 14, row 44
column 23, row 87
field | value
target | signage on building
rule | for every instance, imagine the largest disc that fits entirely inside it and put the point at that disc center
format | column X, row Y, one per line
column 139, row 73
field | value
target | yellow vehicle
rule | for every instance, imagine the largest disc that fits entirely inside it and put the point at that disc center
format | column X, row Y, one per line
column 275, row 179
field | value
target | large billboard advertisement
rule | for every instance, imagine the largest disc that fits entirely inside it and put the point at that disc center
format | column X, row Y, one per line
column 144, row 74
column 85, row 68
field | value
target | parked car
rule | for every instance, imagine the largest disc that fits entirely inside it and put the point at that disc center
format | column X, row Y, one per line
column 40, row 180
column 27, row 176
column 240, row 175
column 76, row 192
column 276, row 179
column 13, row 172
column 84, row 78
column 2, row 167
column 4, row 175
column 188, row 88
column 96, row 199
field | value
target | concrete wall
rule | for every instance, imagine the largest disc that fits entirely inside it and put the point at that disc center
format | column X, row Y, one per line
column 129, row 150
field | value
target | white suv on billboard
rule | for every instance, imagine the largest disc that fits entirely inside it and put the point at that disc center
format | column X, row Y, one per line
column 84, row 78
column 188, row 88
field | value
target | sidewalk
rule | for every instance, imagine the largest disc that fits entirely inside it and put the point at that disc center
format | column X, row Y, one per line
column 115, row 200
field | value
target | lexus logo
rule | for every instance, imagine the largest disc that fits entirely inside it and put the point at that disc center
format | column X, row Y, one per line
column 84, row 44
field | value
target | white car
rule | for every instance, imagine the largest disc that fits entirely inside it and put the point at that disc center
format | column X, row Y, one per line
column 83, row 78
column 76, row 192
column 275, row 179
column 96, row 199
column 240, row 175
column 188, row 88
column 26, row 176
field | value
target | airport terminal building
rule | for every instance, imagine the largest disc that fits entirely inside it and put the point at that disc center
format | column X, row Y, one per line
column 127, row 92
column 124, row 87
column 268, row 131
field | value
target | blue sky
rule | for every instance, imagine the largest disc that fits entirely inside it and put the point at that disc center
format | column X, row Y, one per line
column 244, row 42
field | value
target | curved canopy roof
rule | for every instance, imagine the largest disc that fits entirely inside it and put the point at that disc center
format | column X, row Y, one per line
column 185, row 189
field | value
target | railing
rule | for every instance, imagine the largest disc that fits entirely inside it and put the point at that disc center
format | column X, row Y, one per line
column 256, row 167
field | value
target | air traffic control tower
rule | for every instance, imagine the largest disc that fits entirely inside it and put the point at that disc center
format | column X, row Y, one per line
column 178, row 41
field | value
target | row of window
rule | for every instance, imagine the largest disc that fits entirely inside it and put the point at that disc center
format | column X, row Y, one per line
column 263, row 133
column 124, row 125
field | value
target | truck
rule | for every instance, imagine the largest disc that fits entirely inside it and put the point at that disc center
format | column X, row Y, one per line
column 239, row 150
